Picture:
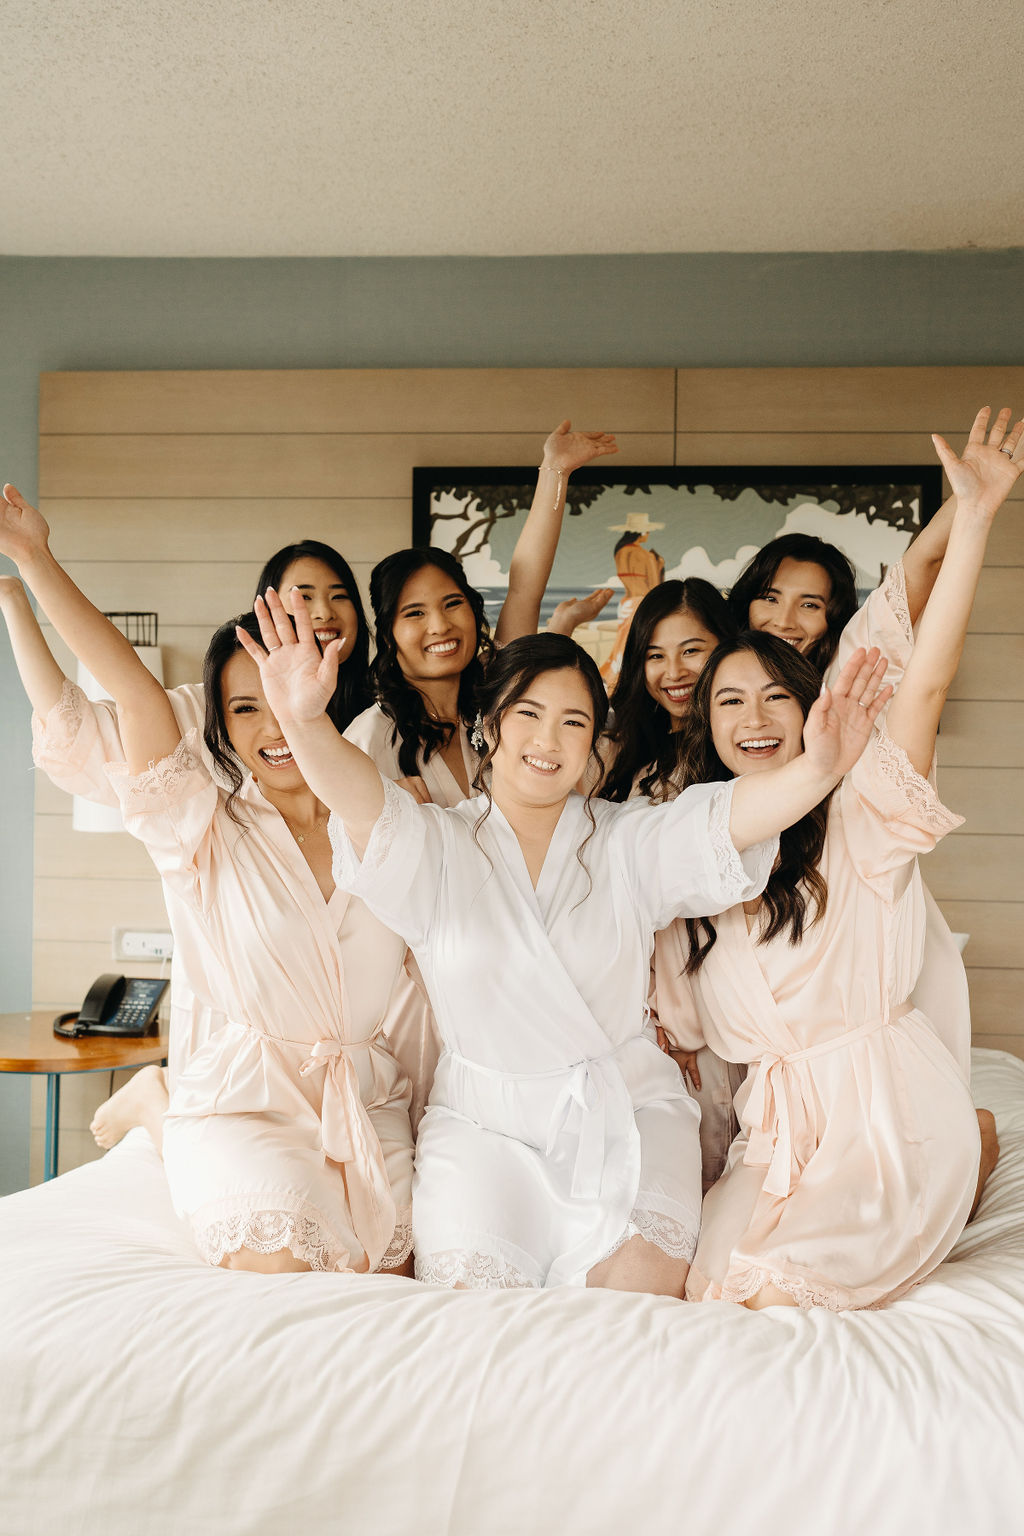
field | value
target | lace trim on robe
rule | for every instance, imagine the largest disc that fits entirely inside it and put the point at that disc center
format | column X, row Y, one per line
column 268, row 1231
column 400, row 1246
column 894, row 591
column 750, row 1281
column 345, row 863
column 160, row 782
column 476, row 1271
column 727, row 859
column 922, row 800
column 677, row 1239
column 55, row 734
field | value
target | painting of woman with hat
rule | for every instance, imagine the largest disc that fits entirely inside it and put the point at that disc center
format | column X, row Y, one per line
column 639, row 569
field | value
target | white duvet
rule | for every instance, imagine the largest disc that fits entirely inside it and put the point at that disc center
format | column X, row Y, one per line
column 142, row 1393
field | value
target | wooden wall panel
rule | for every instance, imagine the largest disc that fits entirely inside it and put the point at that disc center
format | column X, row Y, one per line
column 168, row 489
column 294, row 465
column 732, row 446
column 855, row 400
column 224, row 528
column 989, row 799
column 502, row 400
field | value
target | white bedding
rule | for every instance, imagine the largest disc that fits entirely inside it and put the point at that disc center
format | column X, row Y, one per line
column 142, row 1393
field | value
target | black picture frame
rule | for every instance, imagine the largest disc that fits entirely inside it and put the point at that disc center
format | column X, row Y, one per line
column 730, row 505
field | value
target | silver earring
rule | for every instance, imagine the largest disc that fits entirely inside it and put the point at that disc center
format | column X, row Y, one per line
column 476, row 735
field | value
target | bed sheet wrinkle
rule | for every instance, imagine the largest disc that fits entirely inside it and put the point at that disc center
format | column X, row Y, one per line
column 136, row 1389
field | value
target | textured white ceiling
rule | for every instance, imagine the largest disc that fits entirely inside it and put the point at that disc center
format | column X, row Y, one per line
column 508, row 127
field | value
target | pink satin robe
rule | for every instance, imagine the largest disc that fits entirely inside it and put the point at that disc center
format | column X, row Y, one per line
column 856, row 1162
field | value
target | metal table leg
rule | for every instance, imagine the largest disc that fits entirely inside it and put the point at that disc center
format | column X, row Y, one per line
column 52, row 1133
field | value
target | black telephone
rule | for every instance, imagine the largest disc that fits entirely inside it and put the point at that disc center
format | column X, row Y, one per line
column 114, row 1005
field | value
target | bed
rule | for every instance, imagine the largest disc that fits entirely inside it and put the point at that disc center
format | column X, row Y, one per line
column 142, row 1392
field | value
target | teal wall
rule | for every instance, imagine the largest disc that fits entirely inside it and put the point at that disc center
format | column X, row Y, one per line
column 682, row 311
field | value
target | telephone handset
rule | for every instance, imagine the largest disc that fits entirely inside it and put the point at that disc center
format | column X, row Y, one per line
column 114, row 1005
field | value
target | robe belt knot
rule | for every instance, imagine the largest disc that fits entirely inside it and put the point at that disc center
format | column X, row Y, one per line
column 343, row 1111
column 588, row 1090
column 775, row 1109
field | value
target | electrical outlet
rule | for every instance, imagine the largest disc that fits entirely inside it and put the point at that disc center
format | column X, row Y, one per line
column 142, row 944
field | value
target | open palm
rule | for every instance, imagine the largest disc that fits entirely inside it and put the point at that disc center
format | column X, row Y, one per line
column 297, row 680
column 566, row 450
column 987, row 470
column 840, row 722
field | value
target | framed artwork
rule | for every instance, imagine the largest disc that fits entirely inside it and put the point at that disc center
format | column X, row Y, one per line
column 692, row 521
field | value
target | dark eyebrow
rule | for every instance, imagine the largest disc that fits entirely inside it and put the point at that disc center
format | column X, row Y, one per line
column 537, row 705
column 307, row 586
column 421, row 602
column 693, row 640
column 818, row 596
column 243, row 698
column 735, row 688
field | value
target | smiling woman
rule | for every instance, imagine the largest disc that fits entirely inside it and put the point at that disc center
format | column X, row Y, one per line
column 434, row 644
column 286, row 1139
column 560, row 1145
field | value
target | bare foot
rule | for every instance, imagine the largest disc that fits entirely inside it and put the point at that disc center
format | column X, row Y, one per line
column 989, row 1154
column 142, row 1101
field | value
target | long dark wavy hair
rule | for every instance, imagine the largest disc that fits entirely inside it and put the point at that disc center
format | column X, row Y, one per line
column 219, row 652
column 513, row 671
column 796, row 894
column 759, row 574
column 642, row 737
column 415, row 730
column 352, row 694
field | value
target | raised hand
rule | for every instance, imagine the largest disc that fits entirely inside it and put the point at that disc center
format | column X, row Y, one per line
column 574, row 611
column 566, row 450
column 297, row 679
column 839, row 725
column 24, row 532
column 988, row 470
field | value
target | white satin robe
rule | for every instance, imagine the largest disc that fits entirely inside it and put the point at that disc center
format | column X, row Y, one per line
column 414, row 1038
column 556, row 1127
column 857, row 1158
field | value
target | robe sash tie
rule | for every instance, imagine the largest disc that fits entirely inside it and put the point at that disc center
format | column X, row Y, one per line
column 349, row 1138
column 776, row 1111
column 587, row 1090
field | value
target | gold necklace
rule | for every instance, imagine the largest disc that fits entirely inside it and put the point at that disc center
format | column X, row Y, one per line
column 300, row 837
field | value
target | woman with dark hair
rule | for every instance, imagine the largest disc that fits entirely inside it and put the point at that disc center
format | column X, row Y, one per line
column 858, row 1156
column 286, row 1138
column 560, row 1145
column 330, row 594
column 674, row 631
column 801, row 590
column 433, row 641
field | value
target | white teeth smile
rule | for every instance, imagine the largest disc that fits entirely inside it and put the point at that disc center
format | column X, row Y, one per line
column 767, row 741
column 540, row 764
column 325, row 636
column 678, row 694
column 275, row 756
column 442, row 648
